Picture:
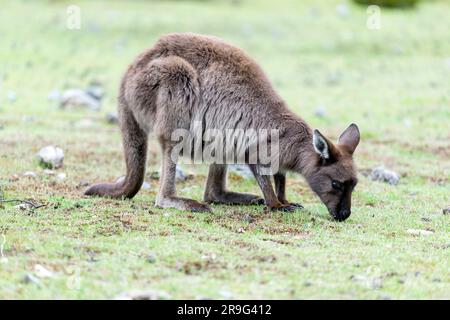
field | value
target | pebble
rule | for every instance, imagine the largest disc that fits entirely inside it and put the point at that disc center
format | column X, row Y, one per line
column 418, row 232
column 61, row 176
column 446, row 211
column 29, row 278
column 79, row 98
column 320, row 112
column 179, row 174
column 151, row 258
column 143, row 295
column 111, row 118
column 241, row 170
column 384, row 175
column 29, row 174
column 42, row 272
column 51, row 157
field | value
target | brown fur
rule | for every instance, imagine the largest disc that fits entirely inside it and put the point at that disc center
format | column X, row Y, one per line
column 189, row 77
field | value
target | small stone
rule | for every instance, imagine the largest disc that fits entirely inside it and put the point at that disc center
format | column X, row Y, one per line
column 320, row 112
column 29, row 278
column 49, row 172
column 29, row 174
column 384, row 175
column 61, row 176
column 179, row 174
column 111, row 118
column 241, row 170
column 84, row 183
column 143, row 295
column 28, row 119
column 84, row 124
column 11, row 96
column 23, row 206
column 42, row 272
column 446, row 211
column 54, row 95
column 248, row 218
column 79, row 98
column 418, row 232
column 342, row 10
column 151, row 258
column 95, row 91
column 241, row 230
column 51, row 157
column 226, row 294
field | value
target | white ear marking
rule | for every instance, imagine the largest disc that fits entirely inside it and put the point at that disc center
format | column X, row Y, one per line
column 320, row 145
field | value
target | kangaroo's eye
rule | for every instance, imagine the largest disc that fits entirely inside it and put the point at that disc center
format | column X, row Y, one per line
column 336, row 185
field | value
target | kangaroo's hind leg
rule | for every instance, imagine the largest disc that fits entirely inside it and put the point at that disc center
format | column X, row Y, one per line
column 178, row 96
column 215, row 190
column 135, row 151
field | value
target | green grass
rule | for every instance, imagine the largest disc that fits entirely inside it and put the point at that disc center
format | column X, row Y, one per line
column 394, row 82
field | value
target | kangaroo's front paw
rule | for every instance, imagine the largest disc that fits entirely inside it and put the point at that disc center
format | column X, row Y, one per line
column 296, row 205
column 283, row 207
column 198, row 207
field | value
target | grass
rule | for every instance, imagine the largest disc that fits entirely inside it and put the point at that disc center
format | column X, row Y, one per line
column 393, row 82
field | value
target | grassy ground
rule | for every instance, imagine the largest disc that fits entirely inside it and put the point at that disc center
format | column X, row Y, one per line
column 394, row 82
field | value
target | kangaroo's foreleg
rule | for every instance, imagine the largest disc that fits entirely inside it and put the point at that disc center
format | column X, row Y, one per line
column 135, row 149
column 270, row 197
column 215, row 190
column 167, row 192
column 280, row 189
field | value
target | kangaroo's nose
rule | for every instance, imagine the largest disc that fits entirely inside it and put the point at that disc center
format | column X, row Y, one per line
column 343, row 215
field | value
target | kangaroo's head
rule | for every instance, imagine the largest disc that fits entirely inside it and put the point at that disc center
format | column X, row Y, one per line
column 334, row 175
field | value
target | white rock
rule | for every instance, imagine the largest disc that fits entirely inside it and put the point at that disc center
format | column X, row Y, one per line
column 29, row 278
column 241, row 170
column 145, row 186
column 418, row 232
column 179, row 174
column 23, row 206
column 112, row 118
column 320, row 112
column 384, row 175
column 42, row 272
column 54, row 95
column 61, row 176
column 51, row 157
column 84, row 124
column 95, row 91
column 342, row 10
column 29, row 174
column 79, row 98
column 143, row 295
column 12, row 96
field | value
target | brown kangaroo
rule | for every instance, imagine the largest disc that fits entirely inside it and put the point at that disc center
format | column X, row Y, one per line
column 187, row 77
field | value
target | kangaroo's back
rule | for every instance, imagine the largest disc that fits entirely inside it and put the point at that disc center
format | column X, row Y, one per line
column 212, row 79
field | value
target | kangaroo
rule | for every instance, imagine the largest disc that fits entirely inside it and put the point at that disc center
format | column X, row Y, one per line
column 185, row 77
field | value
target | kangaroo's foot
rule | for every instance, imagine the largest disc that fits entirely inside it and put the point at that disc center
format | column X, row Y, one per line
column 182, row 204
column 228, row 197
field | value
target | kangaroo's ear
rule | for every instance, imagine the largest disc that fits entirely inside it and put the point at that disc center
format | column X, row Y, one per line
column 350, row 138
column 321, row 145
